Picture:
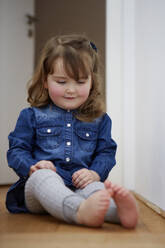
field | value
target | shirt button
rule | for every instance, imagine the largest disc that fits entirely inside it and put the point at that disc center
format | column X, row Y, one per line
column 68, row 110
column 68, row 125
column 49, row 130
column 67, row 159
column 68, row 143
column 87, row 134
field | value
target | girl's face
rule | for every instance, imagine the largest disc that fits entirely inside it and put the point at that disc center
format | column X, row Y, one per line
column 64, row 91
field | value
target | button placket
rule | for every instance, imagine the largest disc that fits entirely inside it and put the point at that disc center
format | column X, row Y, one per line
column 68, row 137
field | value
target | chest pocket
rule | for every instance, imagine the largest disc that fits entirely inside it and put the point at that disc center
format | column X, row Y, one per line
column 49, row 137
column 87, row 139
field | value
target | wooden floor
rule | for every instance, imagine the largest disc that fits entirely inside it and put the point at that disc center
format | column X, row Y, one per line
column 26, row 230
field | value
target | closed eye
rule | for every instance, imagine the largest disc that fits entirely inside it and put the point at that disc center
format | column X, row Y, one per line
column 81, row 82
column 61, row 82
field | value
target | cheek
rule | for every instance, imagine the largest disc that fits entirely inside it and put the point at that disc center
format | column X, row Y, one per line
column 55, row 91
column 84, row 92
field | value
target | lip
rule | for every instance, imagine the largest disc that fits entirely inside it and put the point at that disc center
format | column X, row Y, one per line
column 69, row 98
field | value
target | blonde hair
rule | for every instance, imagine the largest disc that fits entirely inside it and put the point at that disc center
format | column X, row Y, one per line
column 79, row 56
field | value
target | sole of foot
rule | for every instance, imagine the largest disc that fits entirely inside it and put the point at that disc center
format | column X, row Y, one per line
column 126, row 206
column 92, row 210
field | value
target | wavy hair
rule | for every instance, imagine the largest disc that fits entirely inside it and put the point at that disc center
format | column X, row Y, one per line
column 79, row 57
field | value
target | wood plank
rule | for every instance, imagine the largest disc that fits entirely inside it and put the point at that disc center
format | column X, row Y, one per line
column 27, row 230
column 91, row 240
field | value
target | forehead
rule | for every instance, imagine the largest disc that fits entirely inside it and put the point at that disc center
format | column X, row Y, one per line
column 72, row 66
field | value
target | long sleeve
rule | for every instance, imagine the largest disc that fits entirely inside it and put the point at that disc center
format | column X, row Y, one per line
column 21, row 142
column 104, row 157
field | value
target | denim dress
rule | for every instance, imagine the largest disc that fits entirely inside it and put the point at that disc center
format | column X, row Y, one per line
column 54, row 134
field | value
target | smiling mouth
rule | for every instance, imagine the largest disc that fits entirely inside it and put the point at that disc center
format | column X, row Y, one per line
column 69, row 98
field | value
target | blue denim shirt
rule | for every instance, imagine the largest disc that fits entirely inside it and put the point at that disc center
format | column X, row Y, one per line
column 54, row 134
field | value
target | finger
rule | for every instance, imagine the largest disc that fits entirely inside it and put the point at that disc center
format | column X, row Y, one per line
column 81, row 182
column 80, row 178
column 76, row 182
column 84, row 184
column 44, row 164
column 79, row 172
column 32, row 170
column 52, row 167
column 78, row 185
column 40, row 166
column 40, row 162
column 76, row 175
column 49, row 165
column 77, row 179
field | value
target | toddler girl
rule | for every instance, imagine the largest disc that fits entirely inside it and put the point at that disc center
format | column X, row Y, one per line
column 61, row 147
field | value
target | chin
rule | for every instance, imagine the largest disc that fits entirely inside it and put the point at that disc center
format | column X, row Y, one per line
column 68, row 107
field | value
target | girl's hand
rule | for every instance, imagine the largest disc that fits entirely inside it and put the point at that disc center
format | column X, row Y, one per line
column 83, row 177
column 43, row 164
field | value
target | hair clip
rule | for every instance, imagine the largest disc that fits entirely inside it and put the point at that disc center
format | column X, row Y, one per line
column 93, row 46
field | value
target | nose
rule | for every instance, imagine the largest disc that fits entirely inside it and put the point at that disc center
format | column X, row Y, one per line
column 70, row 89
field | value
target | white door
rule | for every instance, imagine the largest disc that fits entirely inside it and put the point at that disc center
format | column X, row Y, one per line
column 16, row 67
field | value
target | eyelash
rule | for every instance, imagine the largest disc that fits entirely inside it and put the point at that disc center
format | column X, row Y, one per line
column 63, row 82
column 81, row 82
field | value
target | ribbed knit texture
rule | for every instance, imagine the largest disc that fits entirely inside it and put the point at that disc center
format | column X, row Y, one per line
column 45, row 192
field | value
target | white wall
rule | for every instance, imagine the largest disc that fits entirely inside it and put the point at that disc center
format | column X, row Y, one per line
column 16, row 66
column 135, row 93
column 114, row 75
column 150, row 100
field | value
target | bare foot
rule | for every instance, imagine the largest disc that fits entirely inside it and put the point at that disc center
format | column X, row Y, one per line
column 126, row 206
column 92, row 210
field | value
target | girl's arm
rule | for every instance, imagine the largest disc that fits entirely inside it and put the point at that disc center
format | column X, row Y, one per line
column 103, row 160
column 104, row 157
column 21, row 142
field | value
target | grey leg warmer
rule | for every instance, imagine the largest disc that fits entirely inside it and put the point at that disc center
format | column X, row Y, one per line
column 45, row 191
column 111, row 215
